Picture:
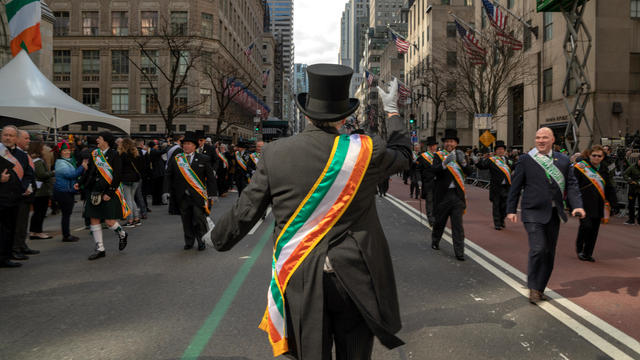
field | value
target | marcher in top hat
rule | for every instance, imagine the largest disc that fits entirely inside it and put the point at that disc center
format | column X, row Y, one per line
column 206, row 149
column 243, row 166
column 106, row 201
column 414, row 173
column 450, row 167
column 191, row 191
column 346, row 311
column 425, row 160
column 223, row 166
column 500, row 168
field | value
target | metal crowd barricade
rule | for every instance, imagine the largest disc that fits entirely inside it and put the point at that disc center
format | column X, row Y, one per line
column 622, row 194
column 480, row 178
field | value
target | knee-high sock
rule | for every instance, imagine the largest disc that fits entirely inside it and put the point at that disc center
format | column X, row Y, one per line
column 96, row 231
column 117, row 229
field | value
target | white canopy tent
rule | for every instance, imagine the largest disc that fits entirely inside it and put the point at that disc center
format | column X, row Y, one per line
column 26, row 94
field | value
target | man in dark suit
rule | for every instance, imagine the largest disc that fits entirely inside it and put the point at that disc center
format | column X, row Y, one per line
column 343, row 291
column 243, row 166
column 414, row 173
column 191, row 191
column 450, row 167
column 11, row 192
column 20, row 248
column 425, row 160
column 544, row 176
column 206, row 149
column 157, row 171
column 500, row 168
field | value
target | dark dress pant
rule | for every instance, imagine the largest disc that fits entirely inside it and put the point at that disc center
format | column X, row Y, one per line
column 194, row 221
column 427, row 192
column 343, row 326
column 634, row 197
column 40, row 206
column 543, row 239
column 499, row 202
column 587, row 235
column 8, row 217
column 22, row 222
column 414, row 189
column 451, row 206
column 156, row 191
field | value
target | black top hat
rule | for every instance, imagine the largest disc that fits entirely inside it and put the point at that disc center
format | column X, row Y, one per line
column 190, row 136
column 500, row 143
column 451, row 134
column 328, row 96
column 200, row 134
column 431, row 140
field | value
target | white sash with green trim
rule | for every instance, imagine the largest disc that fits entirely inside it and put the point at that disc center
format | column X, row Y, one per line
column 497, row 160
column 107, row 173
column 549, row 167
column 598, row 182
column 428, row 157
column 192, row 179
column 323, row 206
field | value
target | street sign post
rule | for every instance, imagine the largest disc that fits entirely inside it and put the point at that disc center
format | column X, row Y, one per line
column 482, row 121
column 487, row 138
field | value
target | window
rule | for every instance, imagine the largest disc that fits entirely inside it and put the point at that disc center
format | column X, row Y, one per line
column 66, row 90
column 179, row 22
column 148, row 101
column 182, row 127
column 547, row 84
column 451, row 29
column 182, row 64
column 90, row 23
column 468, row 2
column 119, row 23
column 548, row 26
column 149, row 23
column 205, row 99
column 207, row 25
column 84, row 127
column 451, row 120
column 451, row 88
column 119, row 100
column 91, row 97
column 483, row 17
column 510, row 4
column 119, row 65
column 452, row 58
column 181, row 98
column 90, row 65
column 206, row 129
column 153, row 127
column 446, row 2
column 61, row 65
column 635, row 8
column 143, row 127
column 61, row 26
column 634, row 69
column 148, row 63
column 527, row 36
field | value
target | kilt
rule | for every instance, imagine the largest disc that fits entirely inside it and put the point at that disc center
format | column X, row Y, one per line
column 110, row 210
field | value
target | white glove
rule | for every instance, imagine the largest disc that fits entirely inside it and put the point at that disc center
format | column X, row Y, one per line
column 451, row 157
column 390, row 99
column 165, row 198
column 462, row 159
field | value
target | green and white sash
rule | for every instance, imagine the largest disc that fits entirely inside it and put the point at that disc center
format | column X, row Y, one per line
column 323, row 206
column 550, row 168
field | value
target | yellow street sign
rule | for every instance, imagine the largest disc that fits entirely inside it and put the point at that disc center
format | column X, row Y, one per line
column 487, row 138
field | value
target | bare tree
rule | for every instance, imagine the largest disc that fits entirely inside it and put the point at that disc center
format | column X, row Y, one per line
column 438, row 89
column 175, row 75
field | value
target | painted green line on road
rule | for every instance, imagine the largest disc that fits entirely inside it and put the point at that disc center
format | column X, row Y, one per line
column 203, row 335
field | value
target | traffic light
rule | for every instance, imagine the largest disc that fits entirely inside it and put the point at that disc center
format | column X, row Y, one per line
column 257, row 129
column 412, row 121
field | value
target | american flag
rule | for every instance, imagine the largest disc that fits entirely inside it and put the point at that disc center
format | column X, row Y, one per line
column 369, row 77
column 498, row 20
column 401, row 44
column 265, row 77
column 403, row 92
column 471, row 45
column 248, row 50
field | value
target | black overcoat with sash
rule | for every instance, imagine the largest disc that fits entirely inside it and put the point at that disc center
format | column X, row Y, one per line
column 356, row 245
column 175, row 183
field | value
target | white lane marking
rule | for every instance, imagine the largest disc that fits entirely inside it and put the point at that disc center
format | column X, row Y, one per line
column 79, row 229
column 476, row 298
column 257, row 225
column 244, row 257
column 564, row 356
column 554, row 311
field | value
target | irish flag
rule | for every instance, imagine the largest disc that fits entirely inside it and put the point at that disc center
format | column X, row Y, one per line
column 24, row 24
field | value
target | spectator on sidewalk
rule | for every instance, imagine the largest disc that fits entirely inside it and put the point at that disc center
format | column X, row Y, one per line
column 20, row 248
column 44, row 185
column 632, row 177
column 11, row 173
column 157, row 172
column 66, row 186
column 131, row 176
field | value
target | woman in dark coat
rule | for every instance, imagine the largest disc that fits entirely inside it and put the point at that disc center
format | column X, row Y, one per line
column 598, row 197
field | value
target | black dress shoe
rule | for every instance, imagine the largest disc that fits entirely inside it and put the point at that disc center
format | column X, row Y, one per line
column 97, row 255
column 460, row 257
column 435, row 245
column 582, row 257
column 188, row 247
column 591, row 259
column 9, row 264
column 70, row 238
column 18, row 256
column 498, row 228
column 201, row 247
column 123, row 242
column 29, row 251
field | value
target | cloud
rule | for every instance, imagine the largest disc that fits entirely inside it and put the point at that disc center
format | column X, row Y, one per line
column 316, row 27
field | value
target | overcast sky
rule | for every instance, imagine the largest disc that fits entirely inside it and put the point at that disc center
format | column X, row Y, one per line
column 316, row 28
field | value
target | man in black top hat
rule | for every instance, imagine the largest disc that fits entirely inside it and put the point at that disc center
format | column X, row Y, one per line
column 500, row 168
column 425, row 160
column 450, row 167
column 343, row 291
column 192, row 186
column 244, row 167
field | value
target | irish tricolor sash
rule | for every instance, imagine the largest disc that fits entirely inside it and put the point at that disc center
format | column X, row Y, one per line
column 502, row 166
column 192, row 179
column 225, row 163
column 24, row 25
column 107, row 173
column 587, row 170
column 323, row 206
column 240, row 161
column 455, row 170
column 17, row 167
column 428, row 156
column 255, row 157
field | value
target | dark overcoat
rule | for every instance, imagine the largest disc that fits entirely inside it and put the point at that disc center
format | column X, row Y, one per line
column 592, row 201
column 497, row 176
column 443, row 179
column 356, row 245
column 175, row 184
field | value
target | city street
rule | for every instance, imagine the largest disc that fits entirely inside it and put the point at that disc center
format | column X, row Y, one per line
column 155, row 300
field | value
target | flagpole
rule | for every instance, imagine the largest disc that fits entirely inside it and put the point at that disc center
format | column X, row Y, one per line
column 469, row 26
column 533, row 29
column 396, row 34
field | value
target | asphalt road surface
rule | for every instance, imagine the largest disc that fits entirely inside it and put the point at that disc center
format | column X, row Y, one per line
column 155, row 300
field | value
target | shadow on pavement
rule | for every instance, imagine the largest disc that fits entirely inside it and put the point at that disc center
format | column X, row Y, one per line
column 612, row 284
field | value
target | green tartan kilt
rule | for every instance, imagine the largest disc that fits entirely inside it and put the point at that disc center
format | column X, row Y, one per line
column 109, row 210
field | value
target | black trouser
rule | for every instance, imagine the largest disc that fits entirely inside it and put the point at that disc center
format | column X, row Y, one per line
column 241, row 183
column 22, row 222
column 221, row 181
column 427, row 195
column 343, row 324
column 156, row 192
column 414, row 188
column 383, row 187
column 66, row 201
column 451, row 206
column 587, row 235
column 634, row 197
column 499, row 202
column 8, row 217
column 542, row 251
column 40, row 206
column 194, row 221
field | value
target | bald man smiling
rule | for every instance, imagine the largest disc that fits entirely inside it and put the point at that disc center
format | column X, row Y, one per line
column 545, row 179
